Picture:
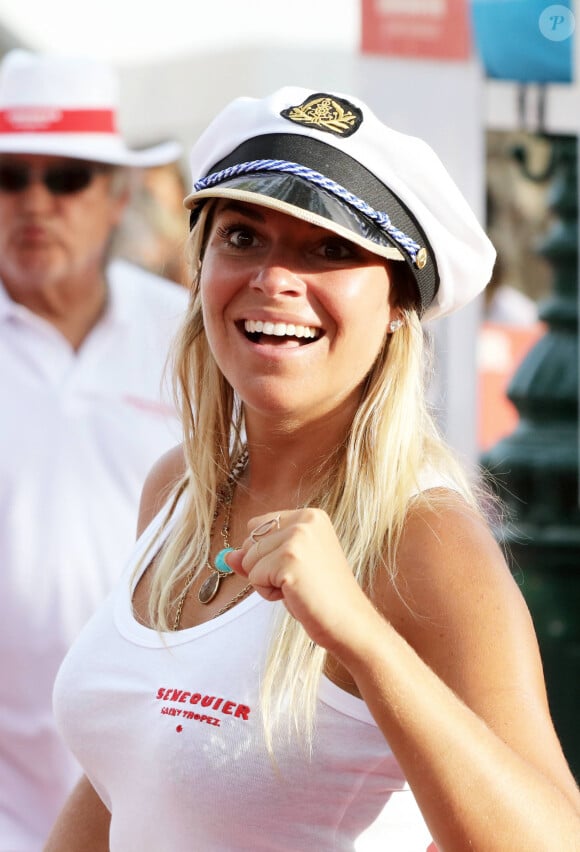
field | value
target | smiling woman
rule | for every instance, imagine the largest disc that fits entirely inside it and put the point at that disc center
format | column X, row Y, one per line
column 268, row 273
column 312, row 553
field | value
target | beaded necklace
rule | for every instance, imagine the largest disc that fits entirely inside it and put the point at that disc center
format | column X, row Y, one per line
column 220, row 570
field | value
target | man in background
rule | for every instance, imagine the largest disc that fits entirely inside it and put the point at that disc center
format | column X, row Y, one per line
column 83, row 412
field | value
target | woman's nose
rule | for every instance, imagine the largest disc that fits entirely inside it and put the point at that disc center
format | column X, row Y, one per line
column 274, row 278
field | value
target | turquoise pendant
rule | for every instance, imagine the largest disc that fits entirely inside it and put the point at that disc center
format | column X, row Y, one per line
column 220, row 563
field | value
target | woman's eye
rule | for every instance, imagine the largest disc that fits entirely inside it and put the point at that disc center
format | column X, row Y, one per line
column 337, row 249
column 238, row 236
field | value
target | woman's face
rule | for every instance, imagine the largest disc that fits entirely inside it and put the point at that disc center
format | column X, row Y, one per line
column 294, row 314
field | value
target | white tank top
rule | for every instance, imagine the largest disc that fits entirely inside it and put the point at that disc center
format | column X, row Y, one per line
column 168, row 730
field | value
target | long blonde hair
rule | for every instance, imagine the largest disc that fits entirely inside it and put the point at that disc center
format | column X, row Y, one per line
column 366, row 490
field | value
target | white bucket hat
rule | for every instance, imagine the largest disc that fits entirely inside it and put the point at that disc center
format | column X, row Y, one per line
column 327, row 159
column 67, row 106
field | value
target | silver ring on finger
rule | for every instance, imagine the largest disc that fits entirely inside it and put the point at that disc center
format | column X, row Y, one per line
column 264, row 528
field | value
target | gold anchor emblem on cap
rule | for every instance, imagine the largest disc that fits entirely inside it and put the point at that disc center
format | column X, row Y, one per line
column 326, row 112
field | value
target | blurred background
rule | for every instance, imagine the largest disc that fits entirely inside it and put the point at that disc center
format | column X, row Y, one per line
column 418, row 63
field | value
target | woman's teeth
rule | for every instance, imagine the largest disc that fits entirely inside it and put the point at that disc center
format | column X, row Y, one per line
column 280, row 329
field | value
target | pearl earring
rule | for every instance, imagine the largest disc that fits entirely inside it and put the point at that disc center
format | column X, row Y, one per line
column 394, row 325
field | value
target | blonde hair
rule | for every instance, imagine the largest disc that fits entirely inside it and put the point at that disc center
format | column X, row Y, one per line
column 366, row 487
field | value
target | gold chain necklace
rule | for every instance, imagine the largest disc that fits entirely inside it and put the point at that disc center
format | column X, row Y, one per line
column 220, row 569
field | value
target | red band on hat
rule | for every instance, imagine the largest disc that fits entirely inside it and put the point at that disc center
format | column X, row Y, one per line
column 44, row 119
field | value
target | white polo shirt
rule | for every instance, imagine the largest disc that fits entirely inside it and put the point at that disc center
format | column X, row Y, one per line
column 78, row 434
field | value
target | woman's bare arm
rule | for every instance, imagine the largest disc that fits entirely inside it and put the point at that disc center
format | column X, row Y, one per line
column 454, row 680
column 83, row 824
column 448, row 665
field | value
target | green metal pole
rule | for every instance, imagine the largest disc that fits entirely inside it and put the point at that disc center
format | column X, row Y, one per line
column 536, row 467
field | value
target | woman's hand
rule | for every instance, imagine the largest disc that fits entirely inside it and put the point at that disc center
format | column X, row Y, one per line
column 300, row 561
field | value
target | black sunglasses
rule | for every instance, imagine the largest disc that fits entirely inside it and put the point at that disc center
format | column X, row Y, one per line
column 65, row 179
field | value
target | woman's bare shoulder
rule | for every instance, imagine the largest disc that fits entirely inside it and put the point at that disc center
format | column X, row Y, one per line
column 458, row 605
column 160, row 482
column 456, row 601
column 445, row 541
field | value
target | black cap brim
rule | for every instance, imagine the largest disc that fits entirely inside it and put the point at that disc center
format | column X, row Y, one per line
column 301, row 199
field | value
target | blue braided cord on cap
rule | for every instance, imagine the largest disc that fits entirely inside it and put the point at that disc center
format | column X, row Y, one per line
column 382, row 220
